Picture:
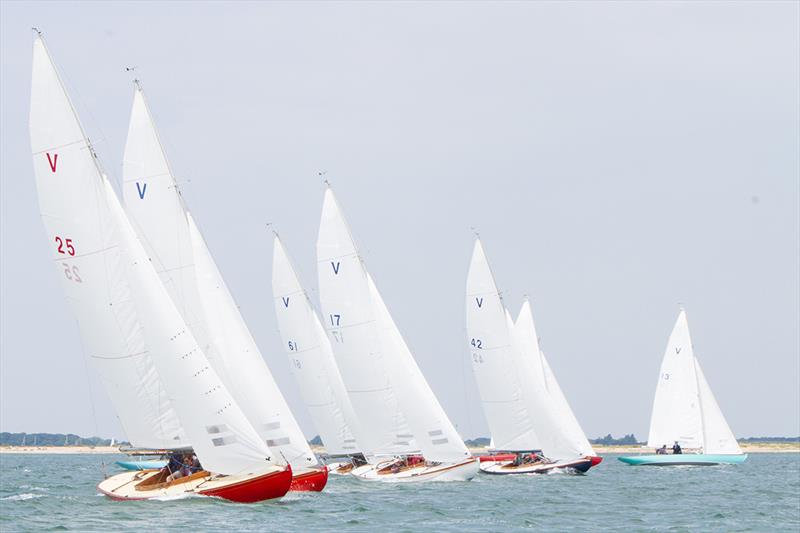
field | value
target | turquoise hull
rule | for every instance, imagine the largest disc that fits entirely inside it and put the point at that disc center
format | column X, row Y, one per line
column 695, row 459
column 141, row 465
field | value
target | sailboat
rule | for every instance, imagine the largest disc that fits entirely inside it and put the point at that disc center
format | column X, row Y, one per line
column 188, row 271
column 685, row 411
column 405, row 434
column 527, row 412
column 313, row 365
column 158, row 378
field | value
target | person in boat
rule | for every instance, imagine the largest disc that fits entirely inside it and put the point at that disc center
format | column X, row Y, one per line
column 517, row 460
column 196, row 466
column 662, row 450
column 185, row 469
column 173, row 465
column 676, row 449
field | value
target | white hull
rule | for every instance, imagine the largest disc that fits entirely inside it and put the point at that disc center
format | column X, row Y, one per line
column 507, row 468
column 463, row 471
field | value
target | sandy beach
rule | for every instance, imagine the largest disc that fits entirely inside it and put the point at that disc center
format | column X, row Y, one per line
column 755, row 447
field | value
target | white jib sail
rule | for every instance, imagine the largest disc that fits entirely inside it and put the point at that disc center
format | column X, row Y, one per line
column 250, row 379
column 350, row 322
column 432, row 429
column 558, row 430
column 493, row 360
column 215, row 425
column 676, row 408
column 190, row 275
column 311, row 359
column 718, row 436
column 86, row 254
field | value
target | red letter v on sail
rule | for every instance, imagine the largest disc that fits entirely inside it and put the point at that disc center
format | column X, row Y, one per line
column 53, row 161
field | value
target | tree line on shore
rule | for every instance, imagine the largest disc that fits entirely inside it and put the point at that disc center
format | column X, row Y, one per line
column 71, row 439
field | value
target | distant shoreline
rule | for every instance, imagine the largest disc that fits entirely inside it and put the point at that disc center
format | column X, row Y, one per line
column 747, row 447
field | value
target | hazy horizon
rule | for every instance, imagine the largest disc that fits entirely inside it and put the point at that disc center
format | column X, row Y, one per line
column 618, row 160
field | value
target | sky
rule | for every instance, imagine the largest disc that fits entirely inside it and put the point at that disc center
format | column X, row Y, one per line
column 618, row 160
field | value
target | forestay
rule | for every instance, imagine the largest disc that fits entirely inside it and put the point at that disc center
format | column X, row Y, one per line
column 85, row 249
column 191, row 276
column 493, row 360
column 311, row 359
column 349, row 319
column 432, row 429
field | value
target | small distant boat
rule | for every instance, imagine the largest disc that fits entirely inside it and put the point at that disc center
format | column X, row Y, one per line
column 685, row 411
column 141, row 465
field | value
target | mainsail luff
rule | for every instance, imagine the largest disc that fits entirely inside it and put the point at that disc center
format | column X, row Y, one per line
column 350, row 322
column 86, row 254
column 311, row 359
column 197, row 287
column 494, row 361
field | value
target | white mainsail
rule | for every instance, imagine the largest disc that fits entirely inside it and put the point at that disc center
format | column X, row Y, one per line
column 432, row 429
column 108, row 266
column 349, row 319
column 684, row 409
column 494, row 361
column 86, row 254
column 196, row 286
column 215, row 425
column 311, row 359
column 558, row 430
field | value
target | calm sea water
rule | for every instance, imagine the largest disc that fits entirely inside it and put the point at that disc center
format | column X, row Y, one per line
column 57, row 493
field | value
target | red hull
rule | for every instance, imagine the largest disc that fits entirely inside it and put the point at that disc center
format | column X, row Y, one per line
column 266, row 487
column 312, row 481
column 498, row 457
column 596, row 460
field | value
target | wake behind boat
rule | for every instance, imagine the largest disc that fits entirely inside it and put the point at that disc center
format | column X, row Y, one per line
column 686, row 413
